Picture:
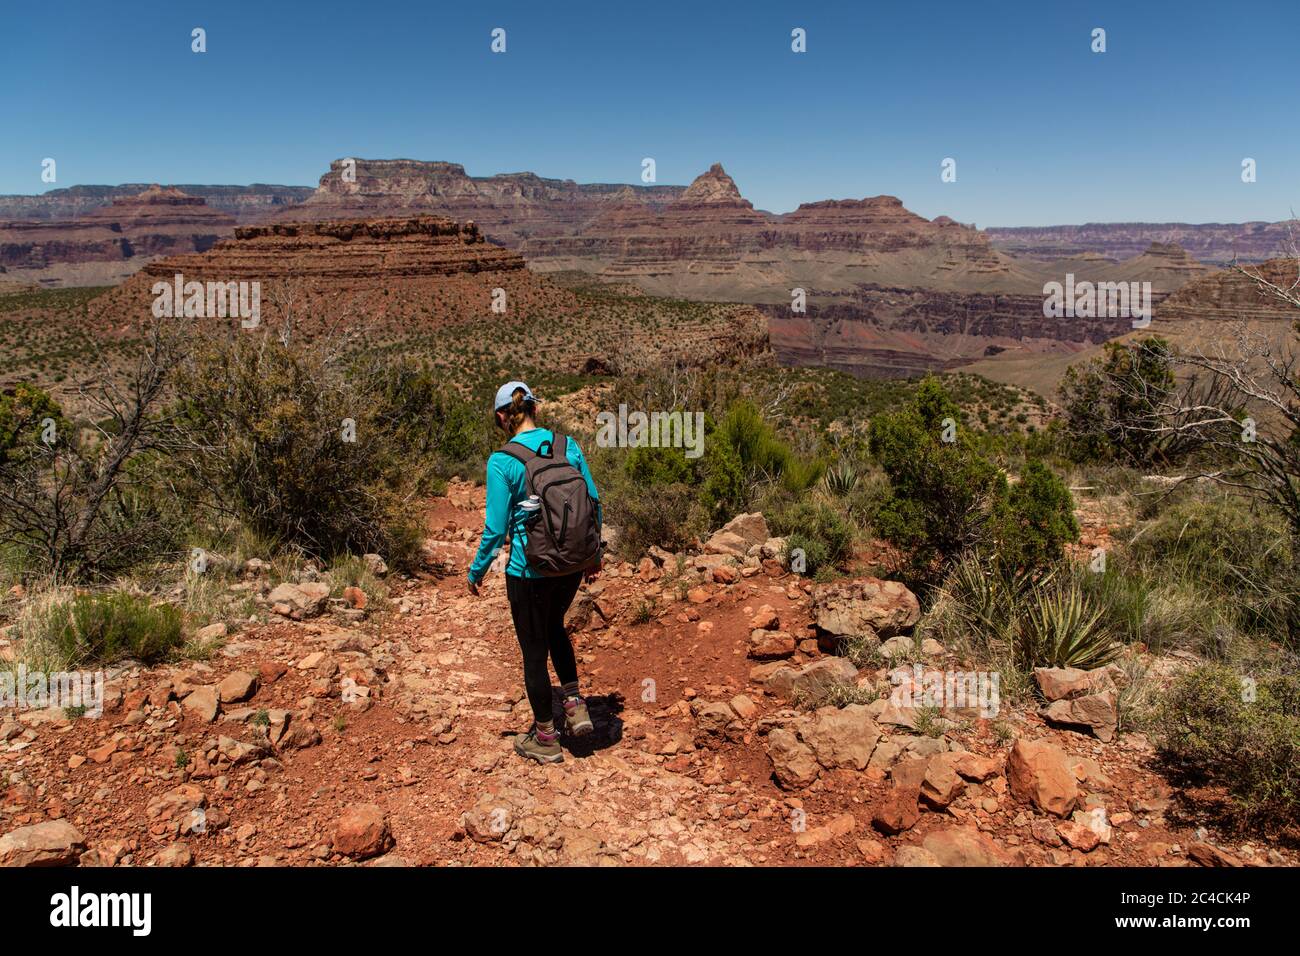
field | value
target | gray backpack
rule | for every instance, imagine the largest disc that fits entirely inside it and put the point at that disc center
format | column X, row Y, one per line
column 564, row 534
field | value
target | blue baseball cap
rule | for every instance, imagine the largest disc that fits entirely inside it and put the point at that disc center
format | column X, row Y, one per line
column 506, row 392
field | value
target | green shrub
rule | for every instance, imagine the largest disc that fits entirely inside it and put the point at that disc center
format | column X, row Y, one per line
column 1209, row 729
column 666, row 516
column 1036, row 521
column 1017, row 623
column 743, row 455
column 1242, row 557
column 267, row 441
column 822, row 532
column 102, row 628
column 23, row 409
column 945, row 498
column 1113, row 403
column 434, row 431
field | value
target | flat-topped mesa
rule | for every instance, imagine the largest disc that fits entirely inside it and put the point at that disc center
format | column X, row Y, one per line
column 167, row 211
column 879, row 223
column 712, row 243
column 157, row 195
column 389, row 273
column 354, row 253
column 1166, row 264
column 246, row 203
column 508, row 207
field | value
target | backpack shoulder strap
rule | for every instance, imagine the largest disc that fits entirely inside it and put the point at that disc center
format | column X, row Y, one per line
column 560, row 447
column 518, row 452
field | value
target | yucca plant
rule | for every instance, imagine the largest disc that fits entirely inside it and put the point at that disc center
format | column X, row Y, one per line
column 840, row 480
column 1061, row 628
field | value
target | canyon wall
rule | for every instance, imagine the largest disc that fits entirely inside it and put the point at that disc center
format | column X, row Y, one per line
column 1214, row 243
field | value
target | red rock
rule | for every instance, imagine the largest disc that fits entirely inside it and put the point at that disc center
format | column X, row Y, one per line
column 236, row 687
column 176, row 804
column 1043, row 831
column 793, row 762
column 770, row 645
column 942, row 783
column 103, row 753
column 873, row 852
column 355, row 597
column 1060, row 683
column 765, row 619
column 271, row 671
column 865, row 608
column 202, row 702
column 897, row 811
column 975, row 767
column 1038, row 773
column 1096, row 712
column 1078, row 836
column 1207, row 854
column 52, row 843
column 965, row 846
column 362, row 832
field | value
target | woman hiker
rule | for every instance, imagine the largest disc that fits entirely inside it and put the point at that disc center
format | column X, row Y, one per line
column 548, row 507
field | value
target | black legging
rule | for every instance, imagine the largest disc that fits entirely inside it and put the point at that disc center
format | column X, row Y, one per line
column 538, row 606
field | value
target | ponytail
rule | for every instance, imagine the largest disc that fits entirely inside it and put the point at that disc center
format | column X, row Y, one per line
column 518, row 409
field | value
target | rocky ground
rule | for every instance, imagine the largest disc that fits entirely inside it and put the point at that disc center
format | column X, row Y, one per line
column 382, row 737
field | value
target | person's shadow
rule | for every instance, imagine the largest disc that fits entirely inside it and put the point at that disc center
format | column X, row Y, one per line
column 604, row 711
column 608, row 725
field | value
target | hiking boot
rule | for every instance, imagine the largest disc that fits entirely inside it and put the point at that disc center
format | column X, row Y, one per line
column 576, row 719
column 540, row 746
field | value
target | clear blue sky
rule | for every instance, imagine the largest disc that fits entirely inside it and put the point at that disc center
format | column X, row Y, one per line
column 1043, row 130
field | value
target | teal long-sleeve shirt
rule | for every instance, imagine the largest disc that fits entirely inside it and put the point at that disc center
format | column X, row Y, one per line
column 506, row 479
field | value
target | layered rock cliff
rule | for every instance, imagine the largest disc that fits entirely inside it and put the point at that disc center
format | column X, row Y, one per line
column 110, row 242
column 244, row 203
column 510, row 207
column 1214, row 243
column 881, row 332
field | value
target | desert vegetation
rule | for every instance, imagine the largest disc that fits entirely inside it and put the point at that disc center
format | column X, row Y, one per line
column 1128, row 524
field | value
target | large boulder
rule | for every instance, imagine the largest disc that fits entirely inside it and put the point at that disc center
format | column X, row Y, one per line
column 1096, row 712
column 237, row 687
column 716, row 718
column 864, row 608
column 203, row 703
column 1039, row 773
column 813, row 679
column 52, row 843
column 841, row 737
column 363, row 832
column 738, row 535
column 793, row 763
column 898, row 810
column 943, row 782
column 1062, row 683
column 830, row 739
column 178, row 804
column 303, row 600
column 965, row 846
column 770, row 645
